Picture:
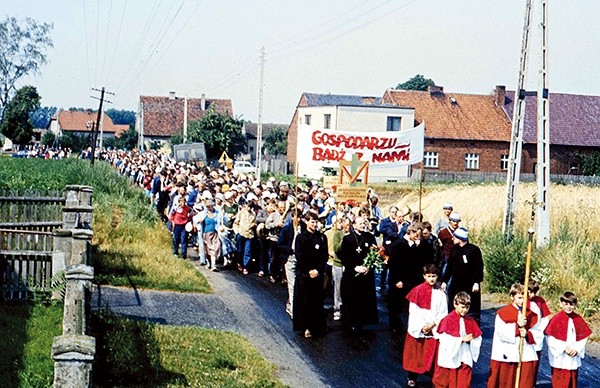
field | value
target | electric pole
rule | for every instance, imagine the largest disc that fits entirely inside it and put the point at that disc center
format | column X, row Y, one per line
column 543, row 132
column 263, row 54
column 95, row 129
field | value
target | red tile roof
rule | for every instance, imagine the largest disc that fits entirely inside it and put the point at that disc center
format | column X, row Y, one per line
column 163, row 116
column 76, row 121
column 574, row 119
column 455, row 115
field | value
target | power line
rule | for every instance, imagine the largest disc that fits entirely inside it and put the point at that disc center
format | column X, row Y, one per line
column 155, row 46
column 97, row 33
column 106, row 40
column 112, row 61
column 87, row 54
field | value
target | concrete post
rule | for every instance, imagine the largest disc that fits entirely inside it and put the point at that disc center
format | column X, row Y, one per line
column 77, row 212
column 79, row 281
column 81, row 252
column 73, row 355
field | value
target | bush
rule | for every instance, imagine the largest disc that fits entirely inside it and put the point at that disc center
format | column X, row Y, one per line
column 504, row 262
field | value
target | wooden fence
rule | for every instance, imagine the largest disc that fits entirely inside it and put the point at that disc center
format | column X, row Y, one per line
column 27, row 221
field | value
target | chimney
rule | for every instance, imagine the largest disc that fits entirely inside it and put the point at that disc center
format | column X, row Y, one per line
column 203, row 102
column 500, row 95
column 435, row 90
column 171, row 95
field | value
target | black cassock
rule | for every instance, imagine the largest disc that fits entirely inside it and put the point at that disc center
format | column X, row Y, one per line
column 359, row 301
column 309, row 294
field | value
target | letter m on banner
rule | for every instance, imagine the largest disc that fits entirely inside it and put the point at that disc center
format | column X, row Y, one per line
column 357, row 167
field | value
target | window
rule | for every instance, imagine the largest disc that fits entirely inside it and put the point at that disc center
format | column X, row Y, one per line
column 430, row 160
column 503, row 162
column 307, row 119
column 327, row 121
column 471, row 161
column 393, row 123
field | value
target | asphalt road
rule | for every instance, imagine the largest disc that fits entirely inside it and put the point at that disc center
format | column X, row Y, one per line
column 251, row 306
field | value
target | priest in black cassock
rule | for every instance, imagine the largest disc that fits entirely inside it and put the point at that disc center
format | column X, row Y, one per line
column 311, row 258
column 359, row 301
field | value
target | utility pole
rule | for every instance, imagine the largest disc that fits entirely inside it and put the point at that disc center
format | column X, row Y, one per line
column 543, row 132
column 95, row 129
column 263, row 54
column 185, row 118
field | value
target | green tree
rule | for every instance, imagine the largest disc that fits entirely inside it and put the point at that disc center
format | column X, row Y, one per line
column 276, row 142
column 48, row 138
column 218, row 133
column 418, row 82
column 590, row 163
column 22, row 51
column 15, row 119
column 128, row 139
column 126, row 117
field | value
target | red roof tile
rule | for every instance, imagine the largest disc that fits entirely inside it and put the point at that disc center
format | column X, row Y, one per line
column 77, row 121
column 163, row 116
column 454, row 115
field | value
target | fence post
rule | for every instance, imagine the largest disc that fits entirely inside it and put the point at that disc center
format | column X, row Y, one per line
column 77, row 212
column 73, row 355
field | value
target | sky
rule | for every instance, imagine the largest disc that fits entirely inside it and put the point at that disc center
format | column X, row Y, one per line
column 212, row 47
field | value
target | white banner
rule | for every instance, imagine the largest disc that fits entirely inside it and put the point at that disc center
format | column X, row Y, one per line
column 381, row 149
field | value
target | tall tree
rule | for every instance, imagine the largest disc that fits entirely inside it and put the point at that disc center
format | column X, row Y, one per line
column 40, row 118
column 128, row 139
column 15, row 119
column 276, row 142
column 121, row 116
column 23, row 49
column 218, row 133
column 418, row 82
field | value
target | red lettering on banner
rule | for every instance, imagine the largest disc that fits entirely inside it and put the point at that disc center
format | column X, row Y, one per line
column 326, row 155
column 391, row 156
column 354, row 142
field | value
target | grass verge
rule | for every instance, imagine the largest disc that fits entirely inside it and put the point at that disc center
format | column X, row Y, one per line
column 27, row 334
column 131, row 245
column 136, row 353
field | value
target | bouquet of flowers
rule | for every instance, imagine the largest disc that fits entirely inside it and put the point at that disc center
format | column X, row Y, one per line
column 374, row 259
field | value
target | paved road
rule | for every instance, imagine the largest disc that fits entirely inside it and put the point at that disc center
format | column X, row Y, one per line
column 254, row 308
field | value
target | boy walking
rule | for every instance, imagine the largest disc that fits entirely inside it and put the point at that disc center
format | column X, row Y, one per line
column 459, row 345
column 567, row 334
column 427, row 308
column 510, row 326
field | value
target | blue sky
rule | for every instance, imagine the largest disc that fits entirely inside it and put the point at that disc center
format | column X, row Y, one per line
column 151, row 47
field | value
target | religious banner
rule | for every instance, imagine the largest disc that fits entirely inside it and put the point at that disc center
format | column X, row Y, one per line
column 381, row 149
column 330, row 181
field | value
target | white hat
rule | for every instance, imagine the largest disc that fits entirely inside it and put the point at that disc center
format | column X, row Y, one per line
column 273, row 196
column 228, row 194
column 219, row 196
column 266, row 194
column 454, row 216
column 206, row 194
column 448, row 205
column 251, row 197
column 461, row 234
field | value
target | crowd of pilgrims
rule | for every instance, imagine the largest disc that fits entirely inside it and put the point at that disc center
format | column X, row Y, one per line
column 300, row 236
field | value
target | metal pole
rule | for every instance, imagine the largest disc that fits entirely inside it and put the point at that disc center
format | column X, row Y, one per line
column 516, row 140
column 543, row 135
column 260, row 110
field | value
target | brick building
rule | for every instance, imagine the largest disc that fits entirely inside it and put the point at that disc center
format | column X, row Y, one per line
column 160, row 117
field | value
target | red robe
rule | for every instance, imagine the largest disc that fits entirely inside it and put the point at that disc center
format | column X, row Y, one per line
column 505, row 353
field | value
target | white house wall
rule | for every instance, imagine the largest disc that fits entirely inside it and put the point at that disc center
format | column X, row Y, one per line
column 356, row 118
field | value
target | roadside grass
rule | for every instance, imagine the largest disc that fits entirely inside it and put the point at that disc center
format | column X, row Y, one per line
column 27, row 334
column 571, row 262
column 131, row 246
column 138, row 353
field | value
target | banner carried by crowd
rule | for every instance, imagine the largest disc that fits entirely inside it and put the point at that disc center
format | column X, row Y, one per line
column 327, row 147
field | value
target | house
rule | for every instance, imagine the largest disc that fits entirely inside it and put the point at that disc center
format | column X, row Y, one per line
column 160, row 117
column 464, row 132
column 250, row 131
column 574, row 130
column 347, row 113
column 81, row 123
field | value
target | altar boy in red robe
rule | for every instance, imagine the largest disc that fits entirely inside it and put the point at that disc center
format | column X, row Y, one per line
column 567, row 334
column 509, row 327
column 426, row 309
column 538, row 305
column 459, row 345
